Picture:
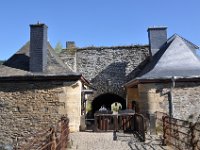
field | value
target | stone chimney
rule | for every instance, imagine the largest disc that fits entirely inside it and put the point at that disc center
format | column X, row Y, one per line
column 70, row 44
column 157, row 37
column 38, row 47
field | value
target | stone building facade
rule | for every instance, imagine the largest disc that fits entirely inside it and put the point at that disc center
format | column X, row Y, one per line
column 154, row 97
column 169, row 80
column 27, row 107
column 107, row 68
column 110, row 68
column 34, row 96
column 150, row 77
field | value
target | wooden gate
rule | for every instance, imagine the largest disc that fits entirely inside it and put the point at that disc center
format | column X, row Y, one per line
column 128, row 122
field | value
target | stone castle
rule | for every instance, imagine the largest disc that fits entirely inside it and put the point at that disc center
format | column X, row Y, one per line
column 115, row 72
column 107, row 69
column 37, row 87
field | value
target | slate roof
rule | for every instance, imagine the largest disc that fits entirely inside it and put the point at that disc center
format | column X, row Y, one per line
column 177, row 58
column 18, row 65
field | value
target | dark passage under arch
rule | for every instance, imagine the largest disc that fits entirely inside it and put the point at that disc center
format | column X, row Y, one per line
column 106, row 100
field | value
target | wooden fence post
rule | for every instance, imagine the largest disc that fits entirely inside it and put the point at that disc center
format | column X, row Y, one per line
column 164, row 131
column 95, row 123
column 64, row 133
column 193, row 141
column 143, row 128
column 115, row 122
column 53, row 140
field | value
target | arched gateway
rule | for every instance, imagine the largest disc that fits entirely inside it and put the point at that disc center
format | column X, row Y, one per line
column 106, row 100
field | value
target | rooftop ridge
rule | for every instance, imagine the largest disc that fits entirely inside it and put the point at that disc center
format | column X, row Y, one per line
column 167, row 62
column 110, row 47
column 185, row 40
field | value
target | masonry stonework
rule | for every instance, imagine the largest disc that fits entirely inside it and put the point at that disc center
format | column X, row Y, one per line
column 107, row 68
column 150, row 99
column 186, row 100
column 26, row 108
column 155, row 97
column 72, row 98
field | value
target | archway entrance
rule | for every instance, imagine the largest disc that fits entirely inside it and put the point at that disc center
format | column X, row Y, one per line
column 106, row 100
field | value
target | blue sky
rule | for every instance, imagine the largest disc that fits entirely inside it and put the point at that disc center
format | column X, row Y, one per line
column 96, row 22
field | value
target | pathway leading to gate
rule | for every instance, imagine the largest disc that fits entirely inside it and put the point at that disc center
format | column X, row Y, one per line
column 104, row 141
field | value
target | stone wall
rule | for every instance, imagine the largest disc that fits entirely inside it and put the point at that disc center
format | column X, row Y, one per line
column 150, row 99
column 156, row 96
column 73, row 104
column 69, row 57
column 29, row 107
column 186, row 101
column 107, row 68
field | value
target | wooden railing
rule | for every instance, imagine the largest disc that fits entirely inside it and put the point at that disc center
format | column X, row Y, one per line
column 180, row 134
column 139, row 126
column 159, row 121
column 110, row 122
column 55, row 138
column 130, row 122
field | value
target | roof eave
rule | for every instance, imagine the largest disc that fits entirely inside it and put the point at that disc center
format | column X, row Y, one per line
column 135, row 82
column 42, row 78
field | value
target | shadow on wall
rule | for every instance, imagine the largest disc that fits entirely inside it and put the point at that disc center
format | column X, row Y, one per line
column 106, row 100
column 111, row 79
column 137, row 71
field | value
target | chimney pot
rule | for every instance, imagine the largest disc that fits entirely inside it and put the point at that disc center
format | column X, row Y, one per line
column 157, row 37
column 70, row 44
column 38, row 47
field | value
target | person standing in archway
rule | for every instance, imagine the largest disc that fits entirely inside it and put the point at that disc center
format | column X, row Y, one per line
column 115, row 107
